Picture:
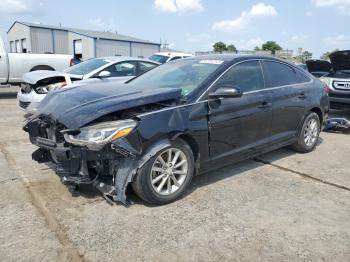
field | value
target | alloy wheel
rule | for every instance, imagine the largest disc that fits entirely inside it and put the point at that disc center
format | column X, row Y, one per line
column 311, row 132
column 169, row 171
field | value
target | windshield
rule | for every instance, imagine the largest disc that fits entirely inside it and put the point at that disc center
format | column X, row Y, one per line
column 159, row 58
column 86, row 67
column 184, row 74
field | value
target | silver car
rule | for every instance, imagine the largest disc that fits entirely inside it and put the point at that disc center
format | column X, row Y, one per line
column 37, row 84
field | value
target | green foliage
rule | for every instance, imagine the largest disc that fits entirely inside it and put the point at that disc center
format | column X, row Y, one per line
column 271, row 46
column 219, row 47
column 231, row 48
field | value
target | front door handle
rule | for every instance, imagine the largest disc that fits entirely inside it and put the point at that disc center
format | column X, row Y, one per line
column 302, row 96
column 264, row 105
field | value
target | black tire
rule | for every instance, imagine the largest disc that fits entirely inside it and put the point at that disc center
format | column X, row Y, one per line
column 142, row 185
column 301, row 146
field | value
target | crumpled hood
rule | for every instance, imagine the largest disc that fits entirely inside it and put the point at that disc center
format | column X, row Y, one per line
column 315, row 65
column 340, row 60
column 35, row 76
column 77, row 106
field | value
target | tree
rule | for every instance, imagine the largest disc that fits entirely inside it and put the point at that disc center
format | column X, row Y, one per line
column 231, row 49
column 271, row 46
column 219, row 47
column 306, row 55
column 257, row 48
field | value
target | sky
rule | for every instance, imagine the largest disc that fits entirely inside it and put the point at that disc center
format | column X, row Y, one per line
column 195, row 25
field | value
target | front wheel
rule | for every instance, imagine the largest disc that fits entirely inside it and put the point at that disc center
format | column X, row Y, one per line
column 309, row 134
column 165, row 177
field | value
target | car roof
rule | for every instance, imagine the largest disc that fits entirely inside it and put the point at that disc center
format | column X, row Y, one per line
column 231, row 57
column 173, row 54
column 125, row 58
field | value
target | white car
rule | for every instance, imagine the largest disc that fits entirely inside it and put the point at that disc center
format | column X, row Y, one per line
column 14, row 65
column 37, row 84
column 164, row 57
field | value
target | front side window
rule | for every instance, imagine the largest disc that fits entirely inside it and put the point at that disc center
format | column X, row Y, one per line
column 281, row 74
column 122, row 69
column 87, row 66
column 185, row 74
column 246, row 76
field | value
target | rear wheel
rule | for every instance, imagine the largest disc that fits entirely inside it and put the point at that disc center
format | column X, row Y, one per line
column 165, row 177
column 309, row 134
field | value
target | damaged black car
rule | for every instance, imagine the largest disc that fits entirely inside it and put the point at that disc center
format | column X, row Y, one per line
column 181, row 119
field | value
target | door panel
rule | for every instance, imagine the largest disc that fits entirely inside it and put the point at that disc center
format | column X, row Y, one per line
column 289, row 100
column 239, row 124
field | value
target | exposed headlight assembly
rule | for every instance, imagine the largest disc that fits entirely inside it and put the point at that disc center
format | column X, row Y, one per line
column 96, row 136
column 46, row 89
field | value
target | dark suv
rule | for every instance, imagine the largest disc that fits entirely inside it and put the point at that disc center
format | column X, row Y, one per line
column 183, row 118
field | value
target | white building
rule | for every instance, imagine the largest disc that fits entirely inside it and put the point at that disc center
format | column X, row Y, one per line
column 38, row 38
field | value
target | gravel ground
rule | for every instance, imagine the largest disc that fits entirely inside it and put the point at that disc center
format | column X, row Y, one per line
column 282, row 206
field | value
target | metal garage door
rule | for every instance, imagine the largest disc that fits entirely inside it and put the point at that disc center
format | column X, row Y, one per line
column 143, row 50
column 41, row 40
column 112, row 48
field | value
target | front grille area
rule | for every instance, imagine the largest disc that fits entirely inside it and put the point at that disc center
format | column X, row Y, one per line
column 342, row 85
column 339, row 95
column 24, row 105
column 26, row 88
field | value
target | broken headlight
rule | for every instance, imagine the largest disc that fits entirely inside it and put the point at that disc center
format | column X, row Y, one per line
column 46, row 89
column 96, row 136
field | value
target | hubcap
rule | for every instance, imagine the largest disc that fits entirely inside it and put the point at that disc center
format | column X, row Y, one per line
column 169, row 171
column 311, row 132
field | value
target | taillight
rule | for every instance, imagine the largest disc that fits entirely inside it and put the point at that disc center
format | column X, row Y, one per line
column 326, row 89
column 71, row 63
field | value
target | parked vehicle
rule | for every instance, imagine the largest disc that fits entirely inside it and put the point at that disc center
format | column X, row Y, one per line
column 164, row 57
column 14, row 65
column 318, row 68
column 303, row 66
column 175, row 121
column 37, row 84
column 338, row 78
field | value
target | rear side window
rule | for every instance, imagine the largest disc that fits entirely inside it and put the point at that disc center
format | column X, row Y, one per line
column 145, row 66
column 246, row 76
column 281, row 74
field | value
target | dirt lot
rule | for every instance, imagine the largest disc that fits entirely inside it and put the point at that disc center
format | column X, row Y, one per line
column 283, row 207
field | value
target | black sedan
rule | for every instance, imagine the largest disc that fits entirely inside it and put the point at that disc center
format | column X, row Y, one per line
column 178, row 120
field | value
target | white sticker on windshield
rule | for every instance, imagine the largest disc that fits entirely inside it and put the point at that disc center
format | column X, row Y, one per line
column 215, row 62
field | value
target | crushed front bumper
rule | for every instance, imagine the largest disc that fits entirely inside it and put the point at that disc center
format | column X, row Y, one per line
column 110, row 170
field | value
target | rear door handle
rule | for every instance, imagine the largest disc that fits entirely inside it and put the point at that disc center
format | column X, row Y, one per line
column 264, row 105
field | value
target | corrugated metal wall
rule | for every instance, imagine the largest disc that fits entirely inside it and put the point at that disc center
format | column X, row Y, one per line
column 143, row 50
column 41, row 40
column 61, row 41
column 112, row 48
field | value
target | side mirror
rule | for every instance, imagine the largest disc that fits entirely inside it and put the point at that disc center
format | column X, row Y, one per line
column 226, row 92
column 104, row 74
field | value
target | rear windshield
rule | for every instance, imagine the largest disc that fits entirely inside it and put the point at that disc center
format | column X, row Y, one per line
column 159, row 58
column 86, row 67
